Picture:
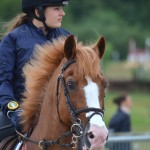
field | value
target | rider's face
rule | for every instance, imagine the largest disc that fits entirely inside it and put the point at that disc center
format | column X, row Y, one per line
column 54, row 16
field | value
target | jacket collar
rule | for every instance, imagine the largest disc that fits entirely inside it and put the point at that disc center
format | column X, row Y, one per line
column 40, row 29
column 125, row 110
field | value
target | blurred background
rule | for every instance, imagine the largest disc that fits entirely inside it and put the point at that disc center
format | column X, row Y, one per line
column 126, row 64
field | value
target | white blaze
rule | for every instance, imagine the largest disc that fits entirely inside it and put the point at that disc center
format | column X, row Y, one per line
column 92, row 98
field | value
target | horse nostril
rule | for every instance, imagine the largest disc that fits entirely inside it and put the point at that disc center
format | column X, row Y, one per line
column 91, row 136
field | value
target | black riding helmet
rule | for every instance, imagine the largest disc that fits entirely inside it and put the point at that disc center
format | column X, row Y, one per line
column 28, row 7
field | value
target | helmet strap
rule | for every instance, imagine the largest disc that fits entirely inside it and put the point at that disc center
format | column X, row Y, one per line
column 41, row 16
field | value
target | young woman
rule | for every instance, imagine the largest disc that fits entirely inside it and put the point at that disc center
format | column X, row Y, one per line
column 40, row 23
column 120, row 122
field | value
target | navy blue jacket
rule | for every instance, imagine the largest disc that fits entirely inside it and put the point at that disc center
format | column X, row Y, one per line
column 120, row 122
column 16, row 49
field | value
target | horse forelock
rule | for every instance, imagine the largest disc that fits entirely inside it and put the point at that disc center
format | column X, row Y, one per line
column 87, row 62
column 40, row 69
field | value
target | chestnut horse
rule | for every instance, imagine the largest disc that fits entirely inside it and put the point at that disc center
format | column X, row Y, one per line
column 64, row 97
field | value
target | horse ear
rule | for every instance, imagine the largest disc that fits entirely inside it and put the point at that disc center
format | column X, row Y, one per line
column 100, row 47
column 70, row 47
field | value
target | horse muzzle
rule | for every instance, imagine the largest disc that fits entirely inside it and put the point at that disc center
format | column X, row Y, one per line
column 94, row 138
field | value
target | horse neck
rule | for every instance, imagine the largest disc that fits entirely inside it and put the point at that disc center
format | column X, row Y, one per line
column 49, row 126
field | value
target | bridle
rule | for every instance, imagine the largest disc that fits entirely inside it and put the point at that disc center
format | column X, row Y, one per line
column 77, row 128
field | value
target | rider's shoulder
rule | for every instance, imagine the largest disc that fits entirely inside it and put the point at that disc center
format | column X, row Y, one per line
column 15, row 33
column 19, row 30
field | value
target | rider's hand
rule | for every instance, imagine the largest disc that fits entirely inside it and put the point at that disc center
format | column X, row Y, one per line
column 14, row 114
column 15, row 119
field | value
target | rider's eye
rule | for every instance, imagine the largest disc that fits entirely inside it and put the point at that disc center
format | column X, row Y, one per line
column 57, row 8
column 71, row 85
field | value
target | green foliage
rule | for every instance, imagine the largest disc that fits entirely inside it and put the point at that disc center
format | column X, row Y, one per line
column 117, row 20
column 108, row 51
column 9, row 8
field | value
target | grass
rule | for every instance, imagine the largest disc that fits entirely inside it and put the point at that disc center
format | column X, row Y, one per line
column 140, row 115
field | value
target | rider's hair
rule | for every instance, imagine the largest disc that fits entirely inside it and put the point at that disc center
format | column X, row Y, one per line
column 16, row 22
column 118, row 100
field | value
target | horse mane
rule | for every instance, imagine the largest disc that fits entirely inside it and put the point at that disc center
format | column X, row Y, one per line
column 39, row 70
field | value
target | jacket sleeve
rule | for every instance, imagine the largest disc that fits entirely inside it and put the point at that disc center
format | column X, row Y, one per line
column 7, row 63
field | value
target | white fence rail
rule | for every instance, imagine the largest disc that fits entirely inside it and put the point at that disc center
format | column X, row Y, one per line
column 128, row 142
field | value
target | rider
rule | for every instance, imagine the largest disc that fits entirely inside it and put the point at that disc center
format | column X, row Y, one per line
column 40, row 23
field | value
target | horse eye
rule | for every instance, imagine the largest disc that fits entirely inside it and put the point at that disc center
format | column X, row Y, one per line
column 71, row 85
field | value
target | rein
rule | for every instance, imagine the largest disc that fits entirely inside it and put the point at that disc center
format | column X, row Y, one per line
column 76, row 129
column 6, row 127
column 45, row 144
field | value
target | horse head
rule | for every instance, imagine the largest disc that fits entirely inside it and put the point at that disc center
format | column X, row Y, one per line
column 80, row 93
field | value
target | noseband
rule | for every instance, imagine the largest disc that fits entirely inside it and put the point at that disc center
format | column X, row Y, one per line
column 77, row 128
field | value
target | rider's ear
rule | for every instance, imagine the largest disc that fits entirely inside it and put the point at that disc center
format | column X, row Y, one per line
column 36, row 12
column 70, row 47
column 100, row 47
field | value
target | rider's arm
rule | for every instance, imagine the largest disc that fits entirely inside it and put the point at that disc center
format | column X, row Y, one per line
column 7, row 63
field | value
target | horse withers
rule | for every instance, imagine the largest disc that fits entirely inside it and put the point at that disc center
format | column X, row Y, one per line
column 64, row 97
